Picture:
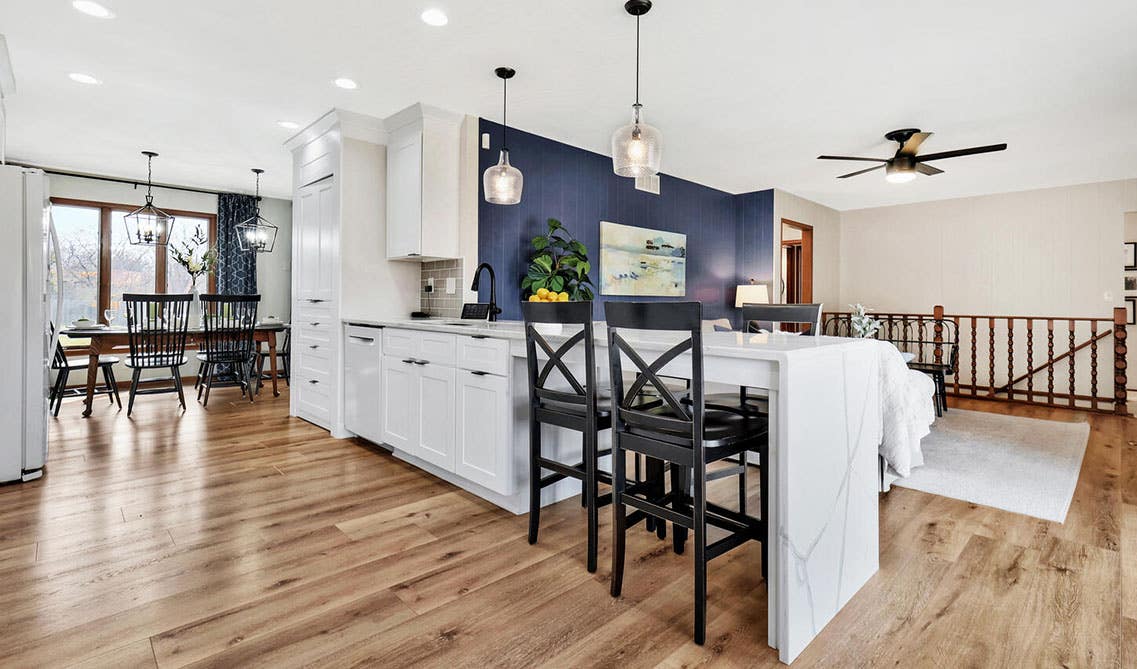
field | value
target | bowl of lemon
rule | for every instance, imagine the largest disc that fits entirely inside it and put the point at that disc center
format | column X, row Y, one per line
column 546, row 295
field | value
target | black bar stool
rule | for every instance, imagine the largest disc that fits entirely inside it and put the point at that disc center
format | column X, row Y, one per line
column 683, row 434
column 562, row 400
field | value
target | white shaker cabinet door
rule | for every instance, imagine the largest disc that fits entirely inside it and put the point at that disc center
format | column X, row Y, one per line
column 436, row 415
column 400, row 404
column 483, row 451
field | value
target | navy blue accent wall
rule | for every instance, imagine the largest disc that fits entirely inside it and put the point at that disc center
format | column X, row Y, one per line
column 729, row 237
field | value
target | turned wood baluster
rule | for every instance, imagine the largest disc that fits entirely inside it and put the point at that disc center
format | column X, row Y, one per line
column 1120, row 349
column 1030, row 359
column 1072, row 344
column 1094, row 365
column 1050, row 360
column 954, row 371
column 974, row 360
column 991, row 355
column 1010, row 359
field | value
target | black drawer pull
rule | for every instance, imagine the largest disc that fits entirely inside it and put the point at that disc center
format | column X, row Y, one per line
column 479, row 336
column 314, row 324
column 422, row 362
column 479, row 373
column 313, row 381
column 314, row 346
column 314, row 300
column 366, row 340
column 409, row 361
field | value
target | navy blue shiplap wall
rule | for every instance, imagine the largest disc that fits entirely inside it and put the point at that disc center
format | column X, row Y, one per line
column 729, row 237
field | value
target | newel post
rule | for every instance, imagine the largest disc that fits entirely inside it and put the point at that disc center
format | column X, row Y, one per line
column 1120, row 380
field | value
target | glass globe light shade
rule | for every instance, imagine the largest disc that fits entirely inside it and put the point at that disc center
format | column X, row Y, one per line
column 636, row 147
column 503, row 182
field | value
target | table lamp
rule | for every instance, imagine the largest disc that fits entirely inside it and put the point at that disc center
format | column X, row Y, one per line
column 751, row 293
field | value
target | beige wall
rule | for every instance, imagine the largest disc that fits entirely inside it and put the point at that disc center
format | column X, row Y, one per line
column 826, row 244
column 1051, row 252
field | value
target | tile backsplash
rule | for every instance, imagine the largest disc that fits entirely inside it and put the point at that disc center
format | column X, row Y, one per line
column 439, row 302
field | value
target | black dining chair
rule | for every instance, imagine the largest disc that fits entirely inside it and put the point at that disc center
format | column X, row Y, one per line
column 64, row 366
column 685, row 435
column 559, row 397
column 228, row 352
column 156, row 327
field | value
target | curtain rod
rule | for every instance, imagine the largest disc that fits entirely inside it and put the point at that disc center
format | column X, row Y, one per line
column 130, row 182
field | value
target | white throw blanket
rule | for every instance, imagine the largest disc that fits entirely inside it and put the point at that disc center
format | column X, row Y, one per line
column 907, row 411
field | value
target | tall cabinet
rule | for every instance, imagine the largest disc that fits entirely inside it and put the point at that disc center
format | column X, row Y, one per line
column 340, row 268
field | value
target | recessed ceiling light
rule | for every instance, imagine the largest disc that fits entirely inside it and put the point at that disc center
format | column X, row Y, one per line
column 92, row 8
column 434, row 17
column 288, row 125
column 344, row 82
column 84, row 78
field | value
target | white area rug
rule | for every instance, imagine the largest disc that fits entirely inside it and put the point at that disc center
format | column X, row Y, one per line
column 1017, row 464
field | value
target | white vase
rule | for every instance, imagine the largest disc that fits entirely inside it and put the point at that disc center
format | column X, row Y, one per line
column 195, row 309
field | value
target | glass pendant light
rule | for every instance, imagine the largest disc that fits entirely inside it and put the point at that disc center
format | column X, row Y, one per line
column 637, row 147
column 256, row 234
column 148, row 225
column 503, row 182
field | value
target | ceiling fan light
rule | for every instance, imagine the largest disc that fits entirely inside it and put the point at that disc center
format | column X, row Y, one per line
column 897, row 173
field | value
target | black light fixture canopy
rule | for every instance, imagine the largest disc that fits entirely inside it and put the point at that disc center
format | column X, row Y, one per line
column 256, row 234
column 148, row 225
column 503, row 183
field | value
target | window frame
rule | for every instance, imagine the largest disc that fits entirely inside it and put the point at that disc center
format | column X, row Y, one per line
column 161, row 255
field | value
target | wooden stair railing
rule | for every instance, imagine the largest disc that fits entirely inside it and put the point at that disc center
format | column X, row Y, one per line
column 1073, row 345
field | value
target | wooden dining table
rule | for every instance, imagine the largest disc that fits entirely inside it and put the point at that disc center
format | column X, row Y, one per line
column 104, row 341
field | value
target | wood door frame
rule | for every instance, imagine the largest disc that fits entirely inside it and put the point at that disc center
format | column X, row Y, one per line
column 806, row 242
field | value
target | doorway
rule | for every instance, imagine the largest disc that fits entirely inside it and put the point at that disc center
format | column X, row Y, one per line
column 797, row 262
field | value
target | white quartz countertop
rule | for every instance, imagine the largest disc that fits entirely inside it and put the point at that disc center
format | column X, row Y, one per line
column 772, row 346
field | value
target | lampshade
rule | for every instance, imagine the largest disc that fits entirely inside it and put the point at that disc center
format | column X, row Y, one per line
column 751, row 293
column 503, row 182
column 636, row 147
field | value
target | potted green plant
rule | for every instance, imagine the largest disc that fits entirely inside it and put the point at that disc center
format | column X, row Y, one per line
column 558, row 268
column 198, row 259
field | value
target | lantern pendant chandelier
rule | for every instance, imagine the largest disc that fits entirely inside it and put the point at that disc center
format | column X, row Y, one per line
column 148, row 225
column 503, row 182
column 256, row 234
column 637, row 147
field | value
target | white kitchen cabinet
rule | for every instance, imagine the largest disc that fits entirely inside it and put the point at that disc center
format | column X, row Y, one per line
column 482, row 452
column 363, row 382
column 399, row 397
column 423, row 183
column 317, row 242
column 435, row 414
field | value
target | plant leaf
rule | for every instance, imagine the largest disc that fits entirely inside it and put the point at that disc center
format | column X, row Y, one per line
column 540, row 242
column 557, row 283
column 579, row 248
column 554, row 224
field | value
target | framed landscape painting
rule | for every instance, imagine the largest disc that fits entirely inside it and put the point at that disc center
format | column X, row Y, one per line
column 641, row 261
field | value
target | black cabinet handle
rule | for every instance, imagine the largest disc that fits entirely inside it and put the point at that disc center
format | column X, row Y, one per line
column 410, row 361
column 314, row 301
column 479, row 373
column 314, row 346
column 314, row 323
column 313, row 381
column 479, row 337
column 422, row 362
column 366, row 340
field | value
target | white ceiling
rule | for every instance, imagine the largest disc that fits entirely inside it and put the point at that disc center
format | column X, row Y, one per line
column 746, row 93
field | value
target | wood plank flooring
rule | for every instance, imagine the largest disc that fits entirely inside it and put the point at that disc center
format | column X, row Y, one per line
column 236, row 536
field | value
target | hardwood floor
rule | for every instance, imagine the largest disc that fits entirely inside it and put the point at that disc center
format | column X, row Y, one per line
column 236, row 536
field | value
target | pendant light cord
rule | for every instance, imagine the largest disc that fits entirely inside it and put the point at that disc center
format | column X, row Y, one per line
column 257, row 198
column 637, row 59
column 504, row 125
column 149, row 178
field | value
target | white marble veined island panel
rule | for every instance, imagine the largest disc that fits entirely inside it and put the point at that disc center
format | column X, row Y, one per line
column 825, row 429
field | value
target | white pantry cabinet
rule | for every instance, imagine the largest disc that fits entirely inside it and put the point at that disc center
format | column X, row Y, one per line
column 423, row 183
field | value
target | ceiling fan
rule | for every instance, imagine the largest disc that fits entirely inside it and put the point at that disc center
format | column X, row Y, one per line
column 904, row 166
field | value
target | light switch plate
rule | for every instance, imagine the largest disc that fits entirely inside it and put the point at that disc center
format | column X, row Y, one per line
column 450, row 287
column 485, row 140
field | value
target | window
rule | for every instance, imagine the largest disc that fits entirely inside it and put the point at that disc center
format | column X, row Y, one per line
column 98, row 264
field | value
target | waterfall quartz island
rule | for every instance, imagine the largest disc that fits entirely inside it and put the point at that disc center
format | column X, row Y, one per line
column 825, row 428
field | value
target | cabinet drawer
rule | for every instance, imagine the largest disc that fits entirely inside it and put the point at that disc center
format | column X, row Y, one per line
column 438, row 348
column 484, row 354
column 313, row 396
column 314, row 352
column 400, row 343
column 307, row 311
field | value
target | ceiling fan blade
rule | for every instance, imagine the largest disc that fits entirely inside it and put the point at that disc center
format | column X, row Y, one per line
column 962, row 152
column 928, row 169
column 910, row 147
column 872, row 160
column 853, row 174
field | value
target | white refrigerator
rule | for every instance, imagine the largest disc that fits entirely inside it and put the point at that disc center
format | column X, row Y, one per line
column 27, row 241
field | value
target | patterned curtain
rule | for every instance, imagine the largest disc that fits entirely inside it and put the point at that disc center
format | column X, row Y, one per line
column 236, row 269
